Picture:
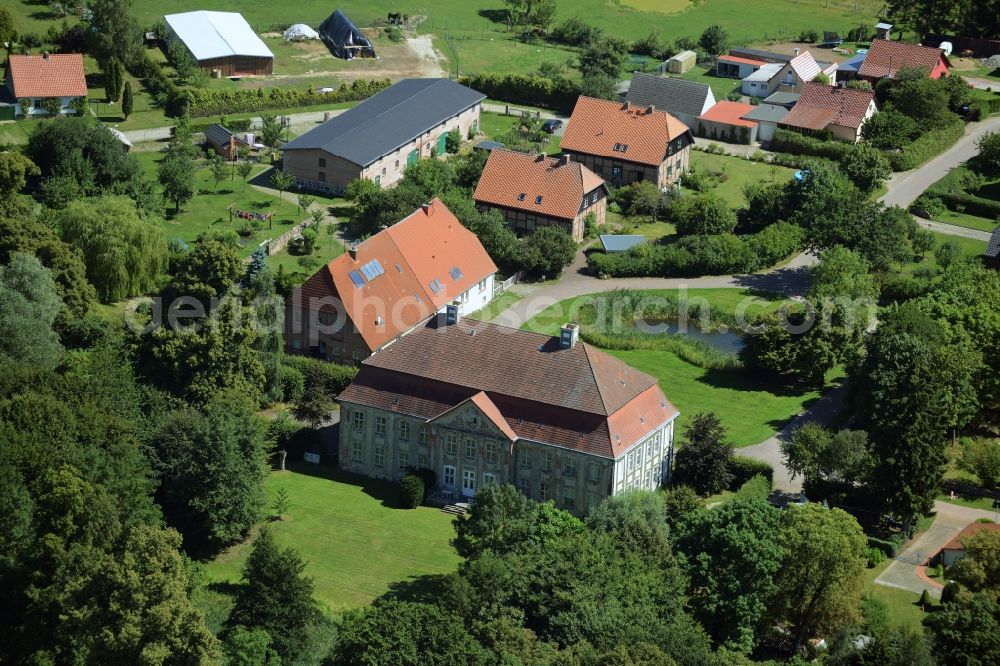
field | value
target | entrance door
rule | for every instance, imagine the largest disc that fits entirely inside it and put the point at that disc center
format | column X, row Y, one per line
column 468, row 483
column 412, row 158
column 449, row 477
column 443, row 144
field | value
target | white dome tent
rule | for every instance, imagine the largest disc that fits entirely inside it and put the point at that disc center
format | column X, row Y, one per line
column 298, row 32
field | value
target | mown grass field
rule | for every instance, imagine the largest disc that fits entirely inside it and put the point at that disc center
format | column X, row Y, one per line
column 497, row 305
column 357, row 544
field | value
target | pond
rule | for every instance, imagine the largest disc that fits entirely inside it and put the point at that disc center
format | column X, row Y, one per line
column 728, row 341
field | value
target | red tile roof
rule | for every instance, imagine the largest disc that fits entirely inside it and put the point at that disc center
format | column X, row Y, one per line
column 516, row 180
column 885, row 57
column 729, row 113
column 742, row 61
column 597, row 126
column 820, row 105
column 54, row 75
column 579, row 398
column 422, row 248
column 970, row 530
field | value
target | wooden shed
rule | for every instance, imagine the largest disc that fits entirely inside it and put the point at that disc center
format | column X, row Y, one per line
column 222, row 43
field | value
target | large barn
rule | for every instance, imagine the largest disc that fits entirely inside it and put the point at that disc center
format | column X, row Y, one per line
column 221, row 42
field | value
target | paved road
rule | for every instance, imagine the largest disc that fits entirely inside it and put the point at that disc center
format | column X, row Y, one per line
column 953, row 230
column 299, row 122
column 951, row 519
column 906, row 186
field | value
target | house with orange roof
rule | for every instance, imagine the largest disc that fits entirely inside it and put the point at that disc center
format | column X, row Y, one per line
column 624, row 144
column 383, row 287
column 32, row 79
column 725, row 122
column 736, row 67
column 533, row 191
column 954, row 550
column 885, row 57
column 840, row 111
column 478, row 404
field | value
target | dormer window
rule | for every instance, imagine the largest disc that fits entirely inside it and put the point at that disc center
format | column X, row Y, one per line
column 521, row 196
column 538, row 199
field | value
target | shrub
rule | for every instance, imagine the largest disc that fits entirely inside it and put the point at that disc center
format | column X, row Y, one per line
column 575, row 32
column 292, row 383
column 453, row 141
column 926, row 146
column 888, row 548
column 928, row 206
column 809, row 36
column 324, row 376
column 951, row 589
column 703, row 214
column 743, row 469
column 875, row 557
column 774, row 243
column 559, row 94
column 411, row 491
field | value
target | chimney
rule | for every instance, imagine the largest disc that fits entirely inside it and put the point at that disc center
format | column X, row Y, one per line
column 628, row 105
column 451, row 313
column 428, row 208
column 796, row 50
column 568, row 335
column 353, row 251
column 541, row 157
column 563, row 159
column 650, row 109
column 45, row 55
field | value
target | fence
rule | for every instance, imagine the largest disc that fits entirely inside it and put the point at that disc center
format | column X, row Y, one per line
column 273, row 245
column 508, row 110
column 499, row 288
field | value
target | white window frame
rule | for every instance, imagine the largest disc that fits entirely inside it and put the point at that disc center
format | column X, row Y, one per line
column 379, row 456
column 449, row 470
column 404, row 430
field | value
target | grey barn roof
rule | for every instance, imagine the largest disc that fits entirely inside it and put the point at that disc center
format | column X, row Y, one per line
column 762, row 55
column 388, row 120
column 993, row 247
column 671, row 95
column 786, row 99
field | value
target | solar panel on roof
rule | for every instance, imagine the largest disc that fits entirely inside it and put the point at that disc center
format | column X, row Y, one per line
column 356, row 278
column 455, row 273
column 436, row 285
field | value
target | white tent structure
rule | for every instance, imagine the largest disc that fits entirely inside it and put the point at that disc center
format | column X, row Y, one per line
column 298, row 32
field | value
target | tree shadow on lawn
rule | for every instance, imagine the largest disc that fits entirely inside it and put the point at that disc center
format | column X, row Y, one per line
column 427, row 588
column 747, row 380
column 385, row 492
column 494, row 15
column 787, row 281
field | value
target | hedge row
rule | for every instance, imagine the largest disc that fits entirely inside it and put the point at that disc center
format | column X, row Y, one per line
column 213, row 102
column 970, row 203
column 889, row 548
column 743, row 469
column 926, row 146
column 531, row 89
column 786, row 141
column 330, row 378
column 703, row 255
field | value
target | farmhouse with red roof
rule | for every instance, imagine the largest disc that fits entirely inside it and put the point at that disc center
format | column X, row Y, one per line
column 31, row 79
column 886, row 57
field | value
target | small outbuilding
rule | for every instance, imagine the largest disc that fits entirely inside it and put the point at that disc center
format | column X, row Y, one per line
column 225, row 142
column 614, row 243
column 767, row 117
column 344, row 39
column 682, row 62
column 726, row 122
column 954, row 550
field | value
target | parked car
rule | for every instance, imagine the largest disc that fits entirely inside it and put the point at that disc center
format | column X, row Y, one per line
column 551, row 125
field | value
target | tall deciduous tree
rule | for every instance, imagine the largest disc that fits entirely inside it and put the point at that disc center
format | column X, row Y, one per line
column 176, row 174
column 115, row 30
column 211, row 467
column 282, row 181
column 702, row 461
column 276, row 596
column 732, row 554
column 821, row 578
column 269, row 309
column 14, row 171
column 217, row 165
column 124, row 250
column 28, row 308
column 966, row 630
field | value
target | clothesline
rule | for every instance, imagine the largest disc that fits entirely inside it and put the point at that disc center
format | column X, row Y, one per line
column 249, row 215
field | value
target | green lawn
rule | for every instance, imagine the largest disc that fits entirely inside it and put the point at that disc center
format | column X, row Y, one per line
column 903, row 608
column 497, row 305
column 737, row 172
column 495, row 124
column 966, row 220
column 970, row 248
column 356, row 543
column 721, row 86
column 207, row 210
column 327, row 247
column 752, row 409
